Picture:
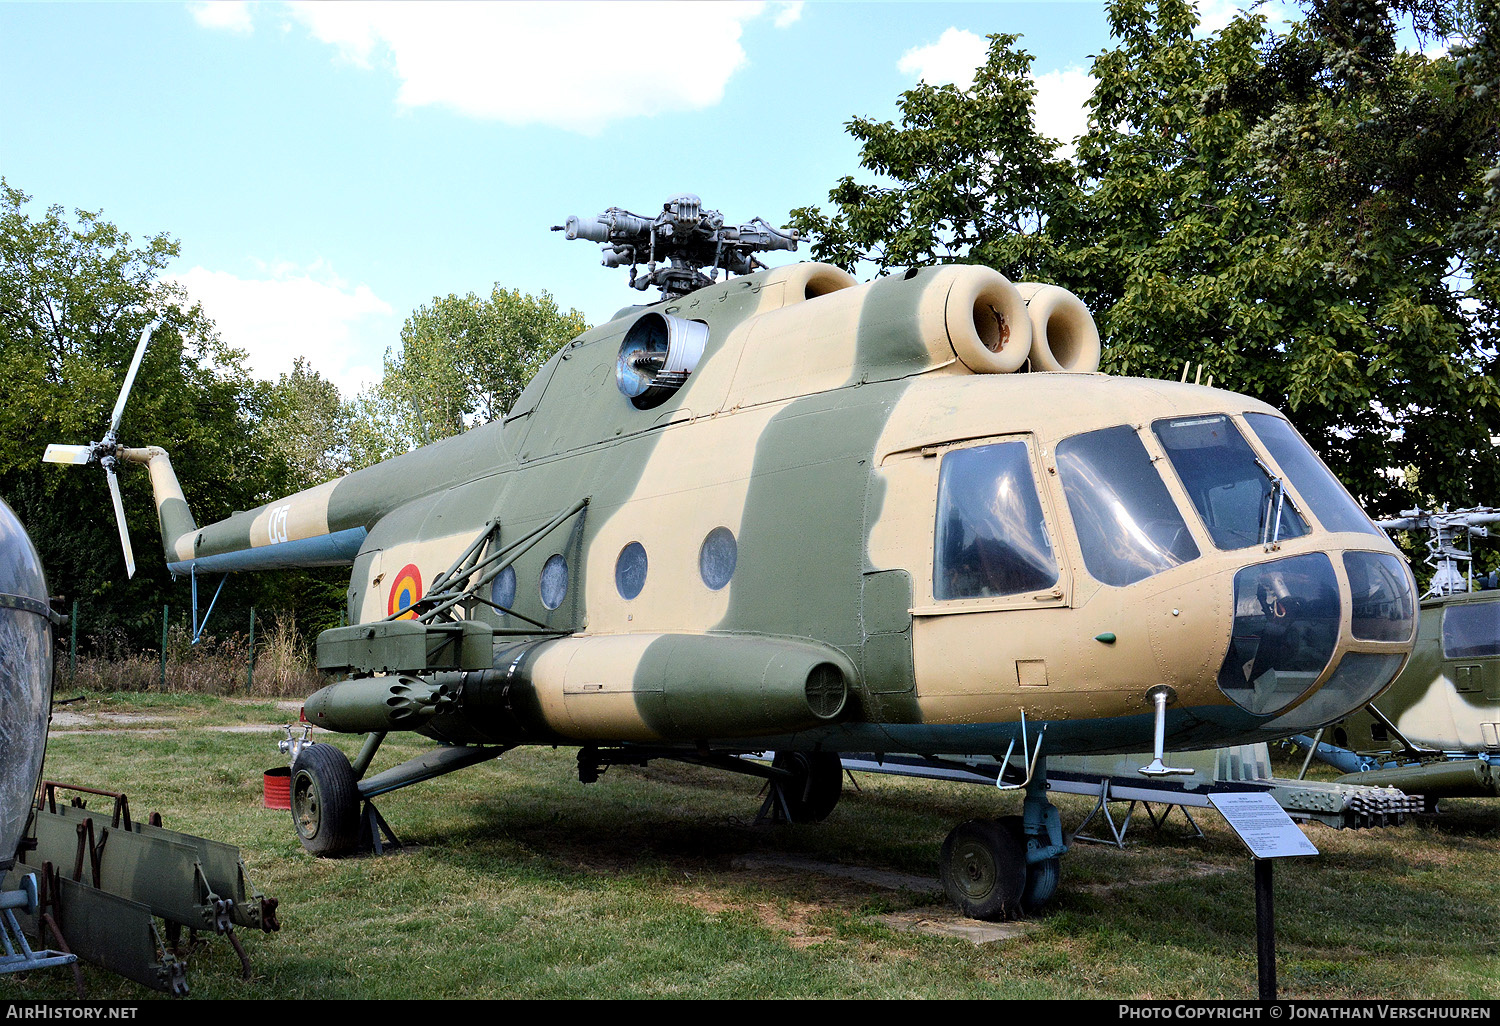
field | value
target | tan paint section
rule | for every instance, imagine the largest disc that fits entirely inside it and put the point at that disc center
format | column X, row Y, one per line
column 698, row 479
column 304, row 515
column 799, row 350
column 431, row 556
column 971, row 657
column 586, row 688
column 902, row 536
column 1433, row 719
column 164, row 488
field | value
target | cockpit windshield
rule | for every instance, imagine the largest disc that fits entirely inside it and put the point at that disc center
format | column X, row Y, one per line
column 1330, row 503
column 1240, row 499
column 1127, row 524
column 991, row 535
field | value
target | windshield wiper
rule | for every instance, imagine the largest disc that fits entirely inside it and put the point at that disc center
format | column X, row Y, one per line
column 1270, row 519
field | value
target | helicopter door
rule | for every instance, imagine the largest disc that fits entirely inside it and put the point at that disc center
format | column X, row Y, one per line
column 999, row 586
column 1471, row 661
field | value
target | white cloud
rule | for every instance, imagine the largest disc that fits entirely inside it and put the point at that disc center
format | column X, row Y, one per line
column 231, row 15
column 295, row 311
column 788, row 13
column 1059, row 111
column 573, row 65
column 1214, row 15
column 954, row 58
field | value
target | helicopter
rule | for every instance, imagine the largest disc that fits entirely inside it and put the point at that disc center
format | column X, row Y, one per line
column 1436, row 730
column 785, row 511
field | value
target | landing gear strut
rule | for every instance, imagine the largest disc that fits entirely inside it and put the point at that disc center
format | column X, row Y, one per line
column 1010, row 867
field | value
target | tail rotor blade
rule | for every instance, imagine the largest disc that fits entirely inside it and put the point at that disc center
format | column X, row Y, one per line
column 135, row 365
column 114, row 494
column 67, row 454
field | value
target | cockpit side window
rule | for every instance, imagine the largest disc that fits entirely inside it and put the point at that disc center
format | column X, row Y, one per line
column 991, row 535
column 1330, row 503
column 1127, row 524
column 1239, row 498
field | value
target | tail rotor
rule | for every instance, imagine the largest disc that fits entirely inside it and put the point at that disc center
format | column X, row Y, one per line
column 106, row 452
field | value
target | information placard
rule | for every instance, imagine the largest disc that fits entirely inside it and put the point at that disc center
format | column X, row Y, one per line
column 1262, row 824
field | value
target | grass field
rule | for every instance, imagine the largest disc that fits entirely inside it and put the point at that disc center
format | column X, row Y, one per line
column 518, row 882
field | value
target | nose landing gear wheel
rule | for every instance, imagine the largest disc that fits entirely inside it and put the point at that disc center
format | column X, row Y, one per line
column 984, row 869
column 325, row 801
column 1041, row 877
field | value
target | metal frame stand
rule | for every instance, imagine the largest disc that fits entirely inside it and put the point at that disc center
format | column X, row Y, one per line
column 1117, row 836
column 19, row 955
column 1117, row 832
column 372, row 827
column 1159, row 821
column 774, row 808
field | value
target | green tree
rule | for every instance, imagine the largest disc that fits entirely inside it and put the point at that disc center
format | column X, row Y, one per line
column 463, row 361
column 306, row 426
column 74, row 297
column 1243, row 202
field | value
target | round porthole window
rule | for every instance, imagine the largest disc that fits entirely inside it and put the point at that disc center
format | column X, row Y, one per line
column 717, row 557
column 503, row 588
column 630, row 570
column 554, row 582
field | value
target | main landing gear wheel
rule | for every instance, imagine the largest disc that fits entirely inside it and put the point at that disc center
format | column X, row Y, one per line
column 1041, row 877
column 984, row 869
column 816, row 785
column 325, row 801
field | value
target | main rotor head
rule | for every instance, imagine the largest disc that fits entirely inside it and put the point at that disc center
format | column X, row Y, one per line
column 684, row 247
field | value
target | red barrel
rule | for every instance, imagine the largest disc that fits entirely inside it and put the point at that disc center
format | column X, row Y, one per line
column 278, row 788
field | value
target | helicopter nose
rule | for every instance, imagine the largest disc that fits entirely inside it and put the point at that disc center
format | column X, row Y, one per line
column 1285, row 631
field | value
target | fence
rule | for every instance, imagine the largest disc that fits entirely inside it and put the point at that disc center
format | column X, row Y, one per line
column 268, row 658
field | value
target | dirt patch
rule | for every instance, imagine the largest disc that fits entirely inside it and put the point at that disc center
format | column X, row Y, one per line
column 944, row 923
column 794, row 919
column 882, row 878
column 74, row 720
column 1142, row 874
column 843, row 886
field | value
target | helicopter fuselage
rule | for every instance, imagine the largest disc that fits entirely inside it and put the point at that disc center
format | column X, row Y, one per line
column 835, row 535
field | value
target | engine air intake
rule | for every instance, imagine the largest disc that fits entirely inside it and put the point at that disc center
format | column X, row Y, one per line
column 656, row 357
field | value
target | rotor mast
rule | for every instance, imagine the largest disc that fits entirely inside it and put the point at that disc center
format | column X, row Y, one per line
column 1444, row 532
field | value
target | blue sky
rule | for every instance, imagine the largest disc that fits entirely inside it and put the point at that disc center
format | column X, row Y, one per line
column 329, row 167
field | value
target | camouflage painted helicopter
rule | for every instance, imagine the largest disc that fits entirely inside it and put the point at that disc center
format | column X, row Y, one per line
column 1436, row 730
column 789, row 512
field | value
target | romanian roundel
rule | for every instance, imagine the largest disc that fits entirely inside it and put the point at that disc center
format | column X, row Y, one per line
column 405, row 591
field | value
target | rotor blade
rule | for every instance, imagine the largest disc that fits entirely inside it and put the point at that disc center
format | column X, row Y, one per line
column 67, row 454
column 135, row 365
column 114, row 493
